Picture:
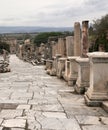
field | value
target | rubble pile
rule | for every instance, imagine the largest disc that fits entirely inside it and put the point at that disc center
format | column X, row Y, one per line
column 4, row 66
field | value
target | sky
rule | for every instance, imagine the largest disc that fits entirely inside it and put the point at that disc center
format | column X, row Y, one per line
column 50, row 13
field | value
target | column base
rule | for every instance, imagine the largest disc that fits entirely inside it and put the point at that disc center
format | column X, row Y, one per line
column 71, row 82
column 105, row 105
column 53, row 72
column 92, row 103
column 65, row 77
column 79, row 90
column 48, row 71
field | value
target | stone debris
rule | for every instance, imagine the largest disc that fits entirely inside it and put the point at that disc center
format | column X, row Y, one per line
column 4, row 66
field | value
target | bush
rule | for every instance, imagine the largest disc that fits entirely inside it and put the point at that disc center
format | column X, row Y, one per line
column 5, row 46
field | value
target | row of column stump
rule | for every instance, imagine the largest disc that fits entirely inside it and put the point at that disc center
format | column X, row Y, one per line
column 86, row 72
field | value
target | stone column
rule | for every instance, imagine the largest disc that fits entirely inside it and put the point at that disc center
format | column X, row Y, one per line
column 54, row 49
column 84, row 38
column 73, row 70
column 77, row 52
column 62, row 46
column 98, row 89
column 82, row 82
column 69, row 46
column 20, row 52
column 77, row 39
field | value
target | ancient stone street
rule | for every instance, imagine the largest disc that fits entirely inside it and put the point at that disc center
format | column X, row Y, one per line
column 32, row 100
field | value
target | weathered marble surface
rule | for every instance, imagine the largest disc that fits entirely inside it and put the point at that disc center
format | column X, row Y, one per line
column 32, row 100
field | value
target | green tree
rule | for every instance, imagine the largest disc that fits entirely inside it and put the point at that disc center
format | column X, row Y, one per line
column 43, row 37
column 99, row 32
column 4, row 45
column 27, row 36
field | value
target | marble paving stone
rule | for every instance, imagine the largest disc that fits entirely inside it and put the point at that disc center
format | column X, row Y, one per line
column 10, row 113
column 20, row 89
column 73, row 105
column 38, row 101
column 5, row 94
column 50, row 91
column 36, row 107
column 24, row 90
column 104, row 120
column 84, row 111
column 23, row 107
column 54, row 114
column 20, row 84
column 95, row 127
column 17, row 129
column 18, row 123
column 1, row 128
column 38, row 95
column 88, row 119
column 45, row 100
column 14, row 101
column 1, row 120
column 33, row 125
column 32, row 114
column 60, row 124
column 52, row 124
column 4, row 88
column 70, row 124
column 20, row 95
column 8, row 105
column 5, row 84
column 66, row 90
column 49, row 107
column 65, row 97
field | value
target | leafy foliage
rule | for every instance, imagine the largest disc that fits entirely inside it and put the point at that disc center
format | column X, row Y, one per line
column 101, row 25
column 5, row 46
column 43, row 37
column 99, row 33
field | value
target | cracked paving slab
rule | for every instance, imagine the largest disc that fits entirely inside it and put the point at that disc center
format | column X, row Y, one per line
column 32, row 100
column 95, row 127
column 10, row 113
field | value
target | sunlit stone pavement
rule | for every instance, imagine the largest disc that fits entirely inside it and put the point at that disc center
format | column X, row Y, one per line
column 32, row 100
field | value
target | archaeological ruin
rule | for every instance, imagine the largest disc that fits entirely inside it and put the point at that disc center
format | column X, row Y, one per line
column 85, row 71
column 54, row 85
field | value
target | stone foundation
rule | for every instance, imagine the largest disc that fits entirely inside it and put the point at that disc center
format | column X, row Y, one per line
column 67, row 70
column 61, row 67
column 98, row 90
column 82, row 82
column 73, row 71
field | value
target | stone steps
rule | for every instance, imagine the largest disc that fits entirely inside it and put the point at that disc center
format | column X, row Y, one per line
column 105, row 105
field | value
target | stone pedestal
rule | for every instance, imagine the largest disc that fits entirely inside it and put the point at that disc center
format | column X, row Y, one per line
column 61, row 67
column 98, row 90
column 55, row 65
column 73, row 71
column 53, row 70
column 48, row 66
column 67, row 70
column 82, row 82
